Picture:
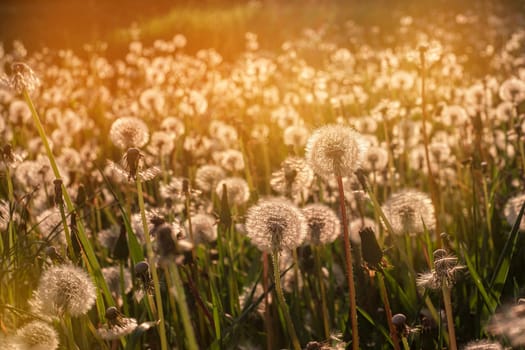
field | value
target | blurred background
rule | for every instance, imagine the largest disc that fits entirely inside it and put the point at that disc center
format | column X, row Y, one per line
column 220, row 24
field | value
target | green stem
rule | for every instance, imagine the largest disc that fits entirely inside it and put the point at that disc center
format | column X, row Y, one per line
column 180, row 297
column 388, row 310
column 324, row 307
column 282, row 302
column 149, row 249
column 67, row 233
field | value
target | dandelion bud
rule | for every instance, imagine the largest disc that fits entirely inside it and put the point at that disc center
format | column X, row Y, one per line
column 53, row 254
column 143, row 274
column 132, row 158
column 400, row 322
column 372, row 253
column 58, row 191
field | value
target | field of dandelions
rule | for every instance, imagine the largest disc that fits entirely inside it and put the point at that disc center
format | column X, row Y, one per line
column 364, row 193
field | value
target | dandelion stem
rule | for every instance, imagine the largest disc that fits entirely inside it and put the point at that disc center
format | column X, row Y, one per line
column 282, row 302
column 388, row 310
column 324, row 307
column 349, row 267
column 450, row 317
column 183, row 307
column 267, row 316
column 149, row 249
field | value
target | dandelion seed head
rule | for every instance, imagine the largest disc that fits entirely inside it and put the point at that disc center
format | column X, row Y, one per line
column 375, row 159
column 208, row 176
column 204, row 228
column 334, row 150
column 64, row 289
column 231, row 160
column 483, row 345
column 37, row 335
column 512, row 209
column 295, row 135
column 129, row 132
column 294, row 178
column 275, row 223
column 22, row 78
column 237, row 190
column 509, row 323
column 173, row 125
column 409, row 212
column 113, row 279
column 512, row 90
column 323, row 224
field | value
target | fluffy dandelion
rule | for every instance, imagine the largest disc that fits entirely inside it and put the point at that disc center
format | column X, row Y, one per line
column 293, row 179
column 37, row 335
column 275, row 223
column 204, row 228
column 409, row 212
column 208, row 176
column 236, row 188
column 117, row 283
column 509, row 323
column 22, row 78
column 334, row 150
column 64, row 289
column 117, row 325
column 512, row 90
column 483, row 345
column 323, row 224
column 129, row 132
column 512, row 209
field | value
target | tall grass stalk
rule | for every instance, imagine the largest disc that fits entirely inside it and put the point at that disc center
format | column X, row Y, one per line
column 450, row 317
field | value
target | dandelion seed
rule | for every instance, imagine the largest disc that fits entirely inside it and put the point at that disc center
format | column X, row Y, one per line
column 409, row 212
column 323, row 224
column 129, row 132
column 334, row 150
column 64, row 289
column 37, row 335
column 275, row 223
column 117, row 325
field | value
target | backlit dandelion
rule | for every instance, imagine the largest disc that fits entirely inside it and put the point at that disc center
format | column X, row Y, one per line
column 129, row 132
column 323, row 224
column 204, row 228
column 208, row 176
column 236, row 188
column 409, row 211
column 512, row 90
column 37, row 335
column 509, row 323
column 512, row 209
column 64, row 289
column 334, row 150
column 22, row 78
column 293, row 179
column 275, row 223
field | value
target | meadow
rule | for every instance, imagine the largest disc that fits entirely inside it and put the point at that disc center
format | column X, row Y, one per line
column 348, row 185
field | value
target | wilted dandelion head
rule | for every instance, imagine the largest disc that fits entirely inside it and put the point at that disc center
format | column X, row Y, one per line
column 445, row 271
column 294, row 179
column 275, row 223
column 129, row 132
column 208, row 176
column 409, row 211
column 37, row 335
column 512, row 209
column 64, row 289
column 334, row 150
column 117, row 326
column 236, row 188
column 323, row 224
